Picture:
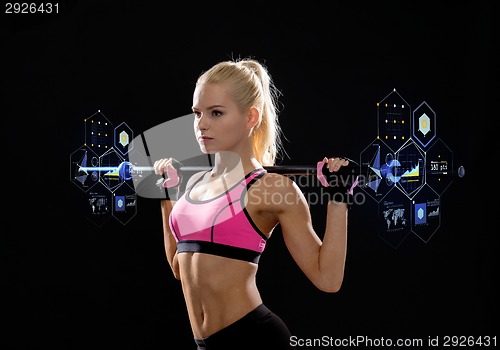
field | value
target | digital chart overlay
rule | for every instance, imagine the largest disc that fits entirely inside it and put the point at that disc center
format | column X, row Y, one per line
column 405, row 169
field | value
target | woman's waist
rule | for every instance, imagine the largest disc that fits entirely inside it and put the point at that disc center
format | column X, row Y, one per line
column 215, row 274
column 217, row 290
column 210, row 312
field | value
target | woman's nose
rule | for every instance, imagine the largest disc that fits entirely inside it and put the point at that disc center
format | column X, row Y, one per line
column 202, row 122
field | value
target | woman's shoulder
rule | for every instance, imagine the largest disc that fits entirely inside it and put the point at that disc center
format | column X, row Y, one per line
column 277, row 183
column 275, row 193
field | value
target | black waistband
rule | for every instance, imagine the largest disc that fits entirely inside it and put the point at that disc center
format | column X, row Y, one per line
column 200, row 343
column 219, row 249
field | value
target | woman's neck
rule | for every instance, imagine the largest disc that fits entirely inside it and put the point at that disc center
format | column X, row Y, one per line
column 225, row 162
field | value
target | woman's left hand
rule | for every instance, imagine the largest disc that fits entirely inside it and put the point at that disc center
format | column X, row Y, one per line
column 334, row 164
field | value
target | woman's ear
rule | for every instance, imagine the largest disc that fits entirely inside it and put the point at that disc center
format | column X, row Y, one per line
column 253, row 117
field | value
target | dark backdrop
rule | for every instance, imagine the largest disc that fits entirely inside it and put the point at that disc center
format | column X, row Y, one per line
column 71, row 284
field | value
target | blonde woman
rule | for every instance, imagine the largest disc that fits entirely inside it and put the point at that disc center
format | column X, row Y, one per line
column 217, row 230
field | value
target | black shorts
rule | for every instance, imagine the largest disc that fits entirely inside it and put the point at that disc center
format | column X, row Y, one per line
column 259, row 329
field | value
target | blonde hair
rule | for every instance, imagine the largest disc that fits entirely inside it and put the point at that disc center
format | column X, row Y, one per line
column 252, row 86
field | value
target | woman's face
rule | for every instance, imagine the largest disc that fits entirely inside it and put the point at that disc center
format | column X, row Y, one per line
column 219, row 125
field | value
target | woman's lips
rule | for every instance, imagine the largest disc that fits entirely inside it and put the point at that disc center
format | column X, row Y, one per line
column 204, row 138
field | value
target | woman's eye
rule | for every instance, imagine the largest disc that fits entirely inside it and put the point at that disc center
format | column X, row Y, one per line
column 216, row 113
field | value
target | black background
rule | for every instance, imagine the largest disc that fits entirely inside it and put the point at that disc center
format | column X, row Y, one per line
column 72, row 285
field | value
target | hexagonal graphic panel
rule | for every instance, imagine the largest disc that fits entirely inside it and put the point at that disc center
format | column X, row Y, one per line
column 394, row 218
column 394, row 120
column 82, row 163
column 98, row 133
column 100, row 168
column 377, row 162
column 426, row 213
column 109, row 165
column 409, row 169
column 123, row 136
column 439, row 174
column 424, row 124
column 124, row 205
column 406, row 183
column 99, row 208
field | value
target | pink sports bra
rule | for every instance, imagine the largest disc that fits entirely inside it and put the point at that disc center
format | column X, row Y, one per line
column 219, row 226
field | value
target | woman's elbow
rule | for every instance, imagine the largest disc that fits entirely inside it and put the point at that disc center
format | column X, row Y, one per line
column 330, row 286
column 334, row 288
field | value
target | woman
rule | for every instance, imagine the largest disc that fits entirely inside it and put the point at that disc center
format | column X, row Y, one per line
column 217, row 230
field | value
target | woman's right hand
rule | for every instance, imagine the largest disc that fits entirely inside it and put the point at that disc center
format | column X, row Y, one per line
column 161, row 165
column 165, row 167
